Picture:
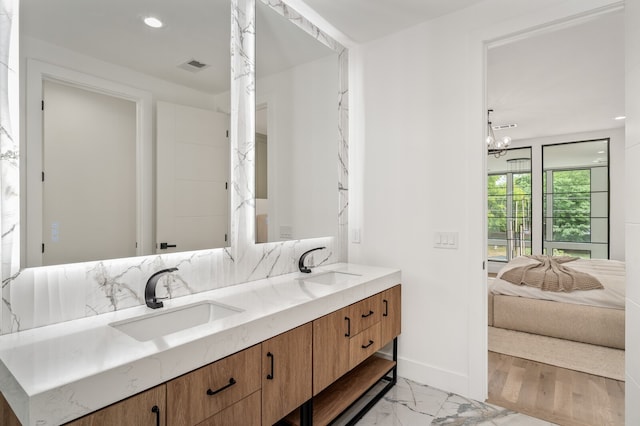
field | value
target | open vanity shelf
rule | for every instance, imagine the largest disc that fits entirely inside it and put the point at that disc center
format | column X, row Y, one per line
column 348, row 390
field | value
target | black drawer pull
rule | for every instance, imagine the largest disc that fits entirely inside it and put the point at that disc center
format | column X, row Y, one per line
column 367, row 315
column 348, row 333
column 270, row 376
column 232, row 382
column 156, row 410
column 386, row 308
column 366, row 346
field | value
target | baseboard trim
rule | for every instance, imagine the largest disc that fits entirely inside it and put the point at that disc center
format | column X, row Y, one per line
column 449, row 381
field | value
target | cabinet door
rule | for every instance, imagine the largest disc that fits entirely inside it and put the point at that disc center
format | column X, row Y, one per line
column 365, row 313
column 146, row 408
column 208, row 390
column 391, row 309
column 245, row 412
column 331, row 335
column 286, row 373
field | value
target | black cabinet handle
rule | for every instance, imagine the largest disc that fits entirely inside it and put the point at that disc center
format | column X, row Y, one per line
column 386, row 308
column 156, row 410
column 367, row 315
column 366, row 346
column 348, row 333
column 164, row 246
column 232, row 382
column 270, row 376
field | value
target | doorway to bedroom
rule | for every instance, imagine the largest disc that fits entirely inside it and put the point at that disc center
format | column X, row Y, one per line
column 555, row 186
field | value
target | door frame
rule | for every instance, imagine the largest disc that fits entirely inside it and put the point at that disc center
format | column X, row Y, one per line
column 479, row 381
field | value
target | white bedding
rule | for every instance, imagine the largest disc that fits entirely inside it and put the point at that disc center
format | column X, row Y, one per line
column 610, row 273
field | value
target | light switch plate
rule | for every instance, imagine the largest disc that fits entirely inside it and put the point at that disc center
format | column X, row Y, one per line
column 445, row 240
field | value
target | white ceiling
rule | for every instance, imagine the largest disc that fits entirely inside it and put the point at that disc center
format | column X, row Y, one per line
column 366, row 20
column 564, row 81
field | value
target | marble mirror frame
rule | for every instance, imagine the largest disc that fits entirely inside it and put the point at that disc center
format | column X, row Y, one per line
column 40, row 296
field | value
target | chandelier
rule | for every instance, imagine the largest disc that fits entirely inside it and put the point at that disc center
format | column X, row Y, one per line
column 497, row 147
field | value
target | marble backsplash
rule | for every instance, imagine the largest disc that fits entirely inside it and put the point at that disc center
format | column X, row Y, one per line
column 35, row 297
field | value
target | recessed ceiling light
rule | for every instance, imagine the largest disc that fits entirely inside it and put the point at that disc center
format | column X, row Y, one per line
column 620, row 117
column 153, row 22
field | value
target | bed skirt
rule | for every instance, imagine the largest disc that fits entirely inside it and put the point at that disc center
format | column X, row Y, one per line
column 581, row 323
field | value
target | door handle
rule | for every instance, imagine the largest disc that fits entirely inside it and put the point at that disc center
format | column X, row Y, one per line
column 164, row 246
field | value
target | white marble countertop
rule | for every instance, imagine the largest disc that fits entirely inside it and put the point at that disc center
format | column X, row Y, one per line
column 54, row 374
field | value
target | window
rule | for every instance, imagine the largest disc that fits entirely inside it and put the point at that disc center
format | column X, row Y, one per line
column 576, row 199
column 509, row 205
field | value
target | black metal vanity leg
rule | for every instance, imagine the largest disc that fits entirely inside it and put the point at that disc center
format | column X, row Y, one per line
column 395, row 358
column 306, row 413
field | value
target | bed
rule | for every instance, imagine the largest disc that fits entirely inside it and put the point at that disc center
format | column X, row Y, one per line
column 589, row 316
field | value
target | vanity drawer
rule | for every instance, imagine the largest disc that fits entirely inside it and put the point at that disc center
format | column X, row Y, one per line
column 365, row 313
column 364, row 344
column 245, row 412
column 202, row 393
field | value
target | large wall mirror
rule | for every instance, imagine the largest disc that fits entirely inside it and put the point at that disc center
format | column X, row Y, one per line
column 297, row 86
column 128, row 154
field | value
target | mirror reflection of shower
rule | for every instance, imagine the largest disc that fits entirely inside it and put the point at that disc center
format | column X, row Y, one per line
column 262, row 184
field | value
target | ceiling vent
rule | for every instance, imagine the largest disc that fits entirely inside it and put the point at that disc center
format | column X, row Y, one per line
column 193, row 65
column 505, row 126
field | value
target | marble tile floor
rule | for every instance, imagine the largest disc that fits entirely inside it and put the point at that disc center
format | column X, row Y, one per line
column 411, row 404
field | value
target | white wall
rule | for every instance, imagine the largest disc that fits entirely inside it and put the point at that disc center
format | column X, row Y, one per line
column 418, row 125
column 632, row 384
column 616, row 182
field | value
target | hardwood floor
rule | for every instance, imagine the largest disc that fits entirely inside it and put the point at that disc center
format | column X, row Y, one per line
column 554, row 394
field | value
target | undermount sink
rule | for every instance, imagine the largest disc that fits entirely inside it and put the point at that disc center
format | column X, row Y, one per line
column 329, row 278
column 162, row 323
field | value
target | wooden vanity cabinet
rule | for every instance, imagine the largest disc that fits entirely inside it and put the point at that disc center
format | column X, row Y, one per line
column 323, row 366
column 345, row 338
column 344, row 364
column 146, row 408
column 200, row 394
column 286, row 373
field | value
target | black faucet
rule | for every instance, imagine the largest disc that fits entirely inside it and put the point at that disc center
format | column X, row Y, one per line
column 301, row 266
column 150, row 289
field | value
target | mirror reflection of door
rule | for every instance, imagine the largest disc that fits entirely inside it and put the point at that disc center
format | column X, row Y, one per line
column 262, row 197
column 89, row 155
column 192, row 168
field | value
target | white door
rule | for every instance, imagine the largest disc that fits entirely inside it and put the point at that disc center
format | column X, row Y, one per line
column 89, row 175
column 192, row 174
